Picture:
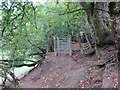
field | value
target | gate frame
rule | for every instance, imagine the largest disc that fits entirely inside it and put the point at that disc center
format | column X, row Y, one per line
column 56, row 40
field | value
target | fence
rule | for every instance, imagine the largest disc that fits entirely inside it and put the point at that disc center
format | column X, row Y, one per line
column 62, row 45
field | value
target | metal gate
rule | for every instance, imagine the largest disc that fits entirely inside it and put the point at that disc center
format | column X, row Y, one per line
column 62, row 45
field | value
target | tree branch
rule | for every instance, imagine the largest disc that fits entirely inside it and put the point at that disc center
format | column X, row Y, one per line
column 43, row 51
column 9, row 21
column 34, row 9
column 83, row 9
column 73, row 11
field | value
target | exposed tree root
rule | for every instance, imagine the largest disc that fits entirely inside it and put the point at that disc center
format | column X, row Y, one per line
column 110, row 59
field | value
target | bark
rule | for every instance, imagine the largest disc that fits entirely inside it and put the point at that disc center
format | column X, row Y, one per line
column 98, row 19
column 99, row 22
column 116, row 35
column 114, row 14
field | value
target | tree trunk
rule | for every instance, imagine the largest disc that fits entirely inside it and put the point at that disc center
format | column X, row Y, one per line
column 104, row 17
column 114, row 14
column 116, row 35
column 97, row 18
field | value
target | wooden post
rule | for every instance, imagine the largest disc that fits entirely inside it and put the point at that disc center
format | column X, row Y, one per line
column 58, row 46
column 70, row 45
column 47, row 49
column 55, row 48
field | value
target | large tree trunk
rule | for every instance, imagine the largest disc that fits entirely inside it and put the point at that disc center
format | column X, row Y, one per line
column 104, row 17
column 98, row 19
column 116, row 35
column 114, row 11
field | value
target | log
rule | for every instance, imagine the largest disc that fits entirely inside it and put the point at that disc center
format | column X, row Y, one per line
column 29, row 65
column 16, row 60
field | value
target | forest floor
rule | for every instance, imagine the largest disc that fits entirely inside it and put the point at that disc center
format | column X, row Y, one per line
column 76, row 71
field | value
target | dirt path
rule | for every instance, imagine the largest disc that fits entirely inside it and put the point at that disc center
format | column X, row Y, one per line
column 61, row 72
column 69, row 72
column 56, row 72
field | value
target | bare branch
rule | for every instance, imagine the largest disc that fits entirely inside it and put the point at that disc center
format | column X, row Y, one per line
column 83, row 9
column 73, row 11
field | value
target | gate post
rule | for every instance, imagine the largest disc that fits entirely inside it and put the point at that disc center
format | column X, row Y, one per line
column 58, row 46
column 70, row 45
column 55, row 48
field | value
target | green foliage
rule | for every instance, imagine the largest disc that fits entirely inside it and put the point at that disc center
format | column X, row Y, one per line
column 28, row 26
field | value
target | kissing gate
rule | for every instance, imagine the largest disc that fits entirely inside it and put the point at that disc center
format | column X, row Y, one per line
column 62, row 45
